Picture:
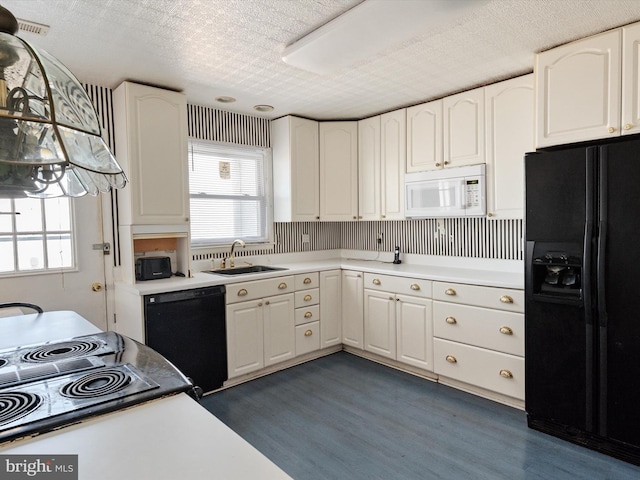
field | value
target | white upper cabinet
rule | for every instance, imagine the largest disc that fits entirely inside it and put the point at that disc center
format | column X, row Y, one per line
column 296, row 169
column 338, row 171
column 424, row 137
column 578, row 90
column 631, row 79
column 369, row 203
column 464, row 128
column 510, row 134
column 393, row 144
column 151, row 134
column 381, row 163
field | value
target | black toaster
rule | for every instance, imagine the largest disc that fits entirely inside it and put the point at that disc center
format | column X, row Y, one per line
column 150, row 268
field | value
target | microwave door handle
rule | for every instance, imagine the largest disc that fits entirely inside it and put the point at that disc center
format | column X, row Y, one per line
column 463, row 191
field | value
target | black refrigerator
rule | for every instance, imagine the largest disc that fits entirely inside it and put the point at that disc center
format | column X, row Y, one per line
column 582, row 282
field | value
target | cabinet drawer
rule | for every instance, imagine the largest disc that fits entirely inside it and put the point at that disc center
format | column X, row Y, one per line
column 401, row 285
column 489, row 297
column 495, row 371
column 307, row 314
column 239, row 292
column 307, row 338
column 483, row 327
column 307, row 297
column 307, row 280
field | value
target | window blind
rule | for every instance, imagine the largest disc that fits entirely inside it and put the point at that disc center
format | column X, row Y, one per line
column 228, row 190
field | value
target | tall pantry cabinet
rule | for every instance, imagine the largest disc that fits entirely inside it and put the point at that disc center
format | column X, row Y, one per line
column 151, row 139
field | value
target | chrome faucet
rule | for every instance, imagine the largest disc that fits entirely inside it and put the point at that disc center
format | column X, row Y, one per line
column 232, row 254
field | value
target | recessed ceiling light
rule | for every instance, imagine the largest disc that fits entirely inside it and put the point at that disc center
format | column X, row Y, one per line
column 263, row 108
column 225, row 99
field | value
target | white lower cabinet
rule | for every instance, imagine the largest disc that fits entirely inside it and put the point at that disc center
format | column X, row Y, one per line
column 330, row 308
column 260, row 329
column 399, row 326
column 479, row 336
column 352, row 309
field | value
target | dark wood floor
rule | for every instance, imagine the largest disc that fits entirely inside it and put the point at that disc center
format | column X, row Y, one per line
column 344, row 417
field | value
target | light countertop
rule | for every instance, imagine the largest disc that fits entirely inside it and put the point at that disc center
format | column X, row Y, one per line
column 492, row 273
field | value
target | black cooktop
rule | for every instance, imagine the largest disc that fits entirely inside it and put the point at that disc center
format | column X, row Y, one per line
column 47, row 386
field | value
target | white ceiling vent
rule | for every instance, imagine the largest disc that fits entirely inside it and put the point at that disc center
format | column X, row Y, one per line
column 32, row 27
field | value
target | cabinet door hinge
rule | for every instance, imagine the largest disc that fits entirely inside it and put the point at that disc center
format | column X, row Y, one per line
column 105, row 247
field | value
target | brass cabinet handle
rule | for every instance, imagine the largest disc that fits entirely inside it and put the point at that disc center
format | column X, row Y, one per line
column 446, row 162
column 628, row 126
column 506, row 374
column 489, row 214
column 391, row 298
column 267, row 302
column 376, row 281
column 415, row 286
column 612, row 129
column 308, row 333
column 306, row 281
column 506, row 299
column 318, row 217
column 308, row 315
column 260, row 304
column 307, row 298
column 450, row 291
column 451, row 320
column 282, row 286
column 242, row 292
column 383, row 216
column 506, row 330
column 437, row 164
column 451, row 359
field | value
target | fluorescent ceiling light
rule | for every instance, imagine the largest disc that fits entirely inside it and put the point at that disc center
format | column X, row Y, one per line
column 368, row 28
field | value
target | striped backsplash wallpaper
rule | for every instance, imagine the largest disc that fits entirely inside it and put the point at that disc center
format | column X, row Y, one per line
column 460, row 237
column 206, row 123
column 457, row 237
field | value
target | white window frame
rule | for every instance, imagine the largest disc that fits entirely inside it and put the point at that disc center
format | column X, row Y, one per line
column 43, row 232
column 235, row 149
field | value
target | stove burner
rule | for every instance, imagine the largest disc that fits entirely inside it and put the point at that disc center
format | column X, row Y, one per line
column 57, row 351
column 102, row 382
column 14, row 405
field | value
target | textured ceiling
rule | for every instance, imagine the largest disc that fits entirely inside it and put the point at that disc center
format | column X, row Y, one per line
column 210, row 48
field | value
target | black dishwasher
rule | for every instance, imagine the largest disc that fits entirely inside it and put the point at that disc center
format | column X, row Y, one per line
column 188, row 328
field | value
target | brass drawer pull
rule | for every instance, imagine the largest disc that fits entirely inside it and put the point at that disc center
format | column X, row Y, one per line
column 306, row 281
column 415, row 286
column 506, row 299
column 451, row 320
column 506, row 330
column 506, row 374
column 282, row 286
column 376, row 281
column 266, row 302
column 450, row 292
column 242, row 292
column 308, row 333
column 307, row 298
column 451, row 359
column 308, row 315
column 259, row 304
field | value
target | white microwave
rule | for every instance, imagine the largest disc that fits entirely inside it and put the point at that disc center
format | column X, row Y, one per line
column 450, row 192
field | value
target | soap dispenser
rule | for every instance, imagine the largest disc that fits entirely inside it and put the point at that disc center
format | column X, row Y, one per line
column 396, row 256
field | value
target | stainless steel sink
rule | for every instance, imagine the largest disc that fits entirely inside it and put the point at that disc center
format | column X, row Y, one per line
column 243, row 270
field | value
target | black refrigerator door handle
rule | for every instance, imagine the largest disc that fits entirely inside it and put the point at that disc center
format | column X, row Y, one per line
column 602, row 237
column 586, row 286
column 600, row 285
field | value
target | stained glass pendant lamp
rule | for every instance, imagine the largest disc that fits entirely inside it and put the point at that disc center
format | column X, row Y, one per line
column 50, row 140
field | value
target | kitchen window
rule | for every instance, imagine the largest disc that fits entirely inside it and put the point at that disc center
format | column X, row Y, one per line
column 36, row 235
column 230, row 193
